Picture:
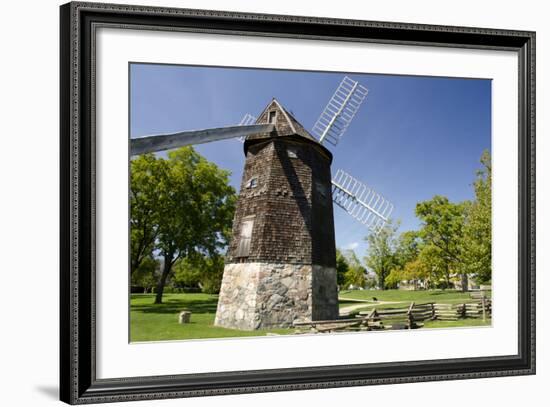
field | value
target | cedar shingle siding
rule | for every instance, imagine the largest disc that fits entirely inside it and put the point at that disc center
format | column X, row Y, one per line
column 291, row 201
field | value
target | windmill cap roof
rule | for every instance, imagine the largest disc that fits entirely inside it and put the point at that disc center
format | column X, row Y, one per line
column 285, row 125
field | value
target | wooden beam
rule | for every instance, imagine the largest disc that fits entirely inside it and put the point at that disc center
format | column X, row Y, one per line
column 161, row 142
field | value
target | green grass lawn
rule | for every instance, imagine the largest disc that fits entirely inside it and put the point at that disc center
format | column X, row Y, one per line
column 158, row 322
column 420, row 296
column 457, row 324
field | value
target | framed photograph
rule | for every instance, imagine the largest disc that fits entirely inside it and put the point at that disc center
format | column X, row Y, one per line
column 254, row 203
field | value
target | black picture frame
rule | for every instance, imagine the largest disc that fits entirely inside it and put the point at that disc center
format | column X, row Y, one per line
column 78, row 382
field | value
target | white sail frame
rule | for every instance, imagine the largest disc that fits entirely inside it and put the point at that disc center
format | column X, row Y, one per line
column 339, row 111
column 360, row 201
column 247, row 120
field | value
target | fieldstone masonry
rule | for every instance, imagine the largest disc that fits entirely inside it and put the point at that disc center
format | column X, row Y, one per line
column 266, row 295
column 281, row 261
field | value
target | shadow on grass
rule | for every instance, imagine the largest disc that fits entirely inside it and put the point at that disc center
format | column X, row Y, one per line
column 174, row 306
column 134, row 297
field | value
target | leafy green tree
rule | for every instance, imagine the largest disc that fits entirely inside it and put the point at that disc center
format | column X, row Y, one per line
column 417, row 270
column 414, row 271
column 408, row 247
column 145, row 275
column 438, row 266
column 211, row 280
column 196, row 207
column 477, row 231
column 144, row 175
column 204, row 272
column 370, row 280
column 342, row 268
column 443, row 230
column 188, row 271
column 181, row 206
column 381, row 253
column 394, row 278
column 454, row 239
column 355, row 275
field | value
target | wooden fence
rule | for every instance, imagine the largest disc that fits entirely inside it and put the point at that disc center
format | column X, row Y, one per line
column 410, row 317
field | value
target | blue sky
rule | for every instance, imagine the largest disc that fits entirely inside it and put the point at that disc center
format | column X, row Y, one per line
column 414, row 137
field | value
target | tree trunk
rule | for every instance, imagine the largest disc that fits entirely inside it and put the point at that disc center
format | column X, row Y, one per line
column 136, row 259
column 383, row 285
column 464, row 282
column 133, row 266
column 162, row 281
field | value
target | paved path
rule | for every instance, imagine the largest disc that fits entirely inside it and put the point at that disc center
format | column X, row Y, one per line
column 364, row 303
column 355, row 300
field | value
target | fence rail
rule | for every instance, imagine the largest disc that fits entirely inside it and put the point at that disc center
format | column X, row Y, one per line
column 411, row 317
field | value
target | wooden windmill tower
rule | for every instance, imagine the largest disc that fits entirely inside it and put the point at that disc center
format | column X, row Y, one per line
column 281, row 263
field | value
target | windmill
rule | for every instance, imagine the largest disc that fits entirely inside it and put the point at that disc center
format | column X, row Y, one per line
column 280, row 264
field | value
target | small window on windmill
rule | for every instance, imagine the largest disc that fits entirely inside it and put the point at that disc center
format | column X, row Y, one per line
column 292, row 153
column 272, row 116
column 243, row 250
column 252, row 183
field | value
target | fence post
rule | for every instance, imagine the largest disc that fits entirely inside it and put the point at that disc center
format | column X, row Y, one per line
column 369, row 317
column 410, row 315
column 483, row 307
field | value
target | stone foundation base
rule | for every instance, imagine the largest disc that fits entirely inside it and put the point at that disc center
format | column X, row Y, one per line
column 267, row 295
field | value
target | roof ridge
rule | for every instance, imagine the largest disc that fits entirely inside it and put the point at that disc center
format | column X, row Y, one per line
column 290, row 122
column 295, row 126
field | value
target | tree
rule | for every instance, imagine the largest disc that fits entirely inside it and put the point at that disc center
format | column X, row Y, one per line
column 144, row 175
column 212, row 275
column 187, row 272
column 381, row 256
column 196, row 206
column 355, row 275
column 439, row 271
column 182, row 206
column 417, row 270
column 144, row 276
column 394, row 278
column 408, row 247
column 342, row 267
column 370, row 280
column 455, row 238
column 477, row 231
column 414, row 271
column 442, row 230
column 200, row 271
